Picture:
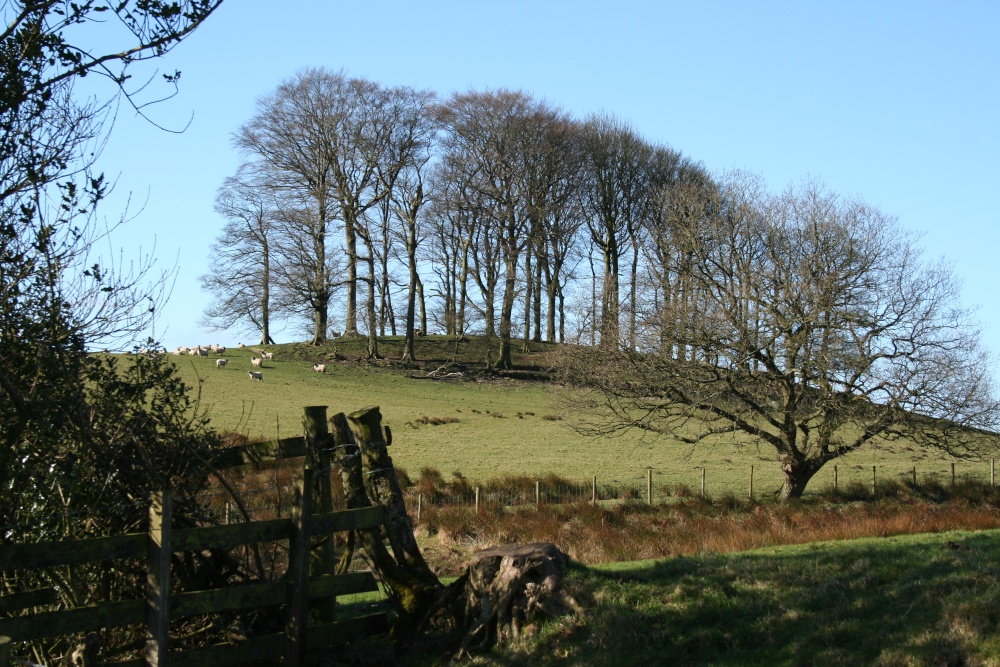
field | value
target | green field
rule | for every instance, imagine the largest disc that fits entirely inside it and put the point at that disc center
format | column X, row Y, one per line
column 897, row 601
column 504, row 426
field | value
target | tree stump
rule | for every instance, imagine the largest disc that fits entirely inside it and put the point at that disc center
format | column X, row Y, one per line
column 511, row 587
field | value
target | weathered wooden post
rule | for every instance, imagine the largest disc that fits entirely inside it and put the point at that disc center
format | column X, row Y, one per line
column 318, row 444
column 703, row 482
column 404, row 570
column 953, row 475
column 649, row 485
column 297, row 618
column 593, row 491
column 538, row 494
column 158, row 579
column 873, row 480
column 751, row 483
column 836, row 479
column 420, row 502
column 477, row 501
column 914, row 477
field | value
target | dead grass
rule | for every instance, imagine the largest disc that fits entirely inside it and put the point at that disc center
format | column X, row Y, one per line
column 633, row 530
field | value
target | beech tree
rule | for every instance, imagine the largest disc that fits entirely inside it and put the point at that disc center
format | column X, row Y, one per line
column 820, row 330
column 240, row 284
column 615, row 190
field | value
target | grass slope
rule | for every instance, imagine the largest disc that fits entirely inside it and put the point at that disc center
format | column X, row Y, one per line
column 898, row 601
column 492, row 426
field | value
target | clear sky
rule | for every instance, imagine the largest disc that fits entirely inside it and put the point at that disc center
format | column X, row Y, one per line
column 896, row 102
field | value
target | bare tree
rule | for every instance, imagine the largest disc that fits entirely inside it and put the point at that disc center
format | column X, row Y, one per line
column 240, row 280
column 820, row 329
column 494, row 140
column 290, row 144
column 402, row 173
column 616, row 191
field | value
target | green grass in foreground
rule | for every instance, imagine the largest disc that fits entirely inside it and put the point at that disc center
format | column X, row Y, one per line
column 504, row 426
column 898, row 601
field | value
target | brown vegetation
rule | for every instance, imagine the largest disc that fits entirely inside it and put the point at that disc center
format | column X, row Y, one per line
column 633, row 530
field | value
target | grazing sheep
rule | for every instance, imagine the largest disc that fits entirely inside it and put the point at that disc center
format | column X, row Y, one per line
column 177, row 353
column 202, row 351
column 319, row 368
column 256, row 375
column 213, row 347
column 219, row 349
column 240, row 345
column 183, row 349
column 334, row 334
column 255, row 361
column 268, row 355
column 193, row 351
column 219, row 363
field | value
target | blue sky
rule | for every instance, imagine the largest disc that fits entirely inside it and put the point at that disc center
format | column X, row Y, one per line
column 897, row 103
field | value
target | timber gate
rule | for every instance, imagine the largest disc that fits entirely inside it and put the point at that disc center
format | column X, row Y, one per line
column 307, row 582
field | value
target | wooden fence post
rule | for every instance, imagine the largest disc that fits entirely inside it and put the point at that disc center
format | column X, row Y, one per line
column 538, row 494
column 953, row 475
column 703, row 482
column 477, row 501
column 873, row 480
column 593, row 491
column 158, row 579
column 914, row 476
column 298, row 571
column 751, row 483
column 420, row 502
column 649, row 485
column 836, row 479
column 318, row 442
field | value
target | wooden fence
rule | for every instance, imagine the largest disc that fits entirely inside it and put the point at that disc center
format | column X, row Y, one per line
column 295, row 591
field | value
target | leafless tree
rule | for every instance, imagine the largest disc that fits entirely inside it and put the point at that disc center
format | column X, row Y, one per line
column 495, row 142
column 616, row 192
column 403, row 174
column 240, row 280
column 291, row 144
column 820, row 330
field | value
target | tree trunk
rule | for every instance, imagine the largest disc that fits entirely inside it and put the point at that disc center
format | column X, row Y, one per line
column 798, row 471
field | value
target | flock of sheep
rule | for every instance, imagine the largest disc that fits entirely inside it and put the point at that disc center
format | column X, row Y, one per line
column 202, row 351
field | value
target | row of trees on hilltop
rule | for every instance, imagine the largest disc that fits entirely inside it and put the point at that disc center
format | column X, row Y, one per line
column 479, row 213
column 714, row 308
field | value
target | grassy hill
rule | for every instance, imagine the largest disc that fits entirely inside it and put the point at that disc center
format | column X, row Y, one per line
column 489, row 425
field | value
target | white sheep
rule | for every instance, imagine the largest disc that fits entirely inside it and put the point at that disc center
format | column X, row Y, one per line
column 177, row 353
column 256, row 375
column 268, row 355
column 220, row 349
column 255, row 361
column 183, row 349
column 240, row 345
column 219, row 363
column 202, row 351
column 319, row 368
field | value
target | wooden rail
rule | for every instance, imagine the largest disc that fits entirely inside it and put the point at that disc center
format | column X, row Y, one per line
column 294, row 592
